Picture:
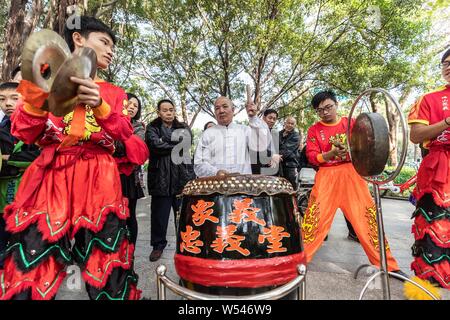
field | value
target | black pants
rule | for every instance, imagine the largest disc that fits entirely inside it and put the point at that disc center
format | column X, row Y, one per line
column 160, row 207
column 290, row 175
column 4, row 236
column 350, row 228
column 132, row 221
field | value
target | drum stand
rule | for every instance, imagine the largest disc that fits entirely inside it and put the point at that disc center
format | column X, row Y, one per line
column 369, row 164
column 299, row 284
column 383, row 273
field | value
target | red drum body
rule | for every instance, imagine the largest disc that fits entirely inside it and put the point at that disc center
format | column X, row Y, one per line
column 238, row 235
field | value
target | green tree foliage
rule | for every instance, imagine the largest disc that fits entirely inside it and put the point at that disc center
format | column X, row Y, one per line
column 191, row 51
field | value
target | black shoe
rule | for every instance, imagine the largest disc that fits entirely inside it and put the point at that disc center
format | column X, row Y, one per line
column 352, row 237
column 326, row 238
column 400, row 272
column 155, row 255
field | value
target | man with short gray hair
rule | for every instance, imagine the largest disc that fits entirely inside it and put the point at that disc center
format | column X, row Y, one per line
column 224, row 148
column 289, row 140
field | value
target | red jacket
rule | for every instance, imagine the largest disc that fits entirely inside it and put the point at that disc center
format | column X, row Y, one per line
column 319, row 141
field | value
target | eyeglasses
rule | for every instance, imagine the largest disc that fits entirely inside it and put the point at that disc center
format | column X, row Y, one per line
column 326, row 108
column 445, row 64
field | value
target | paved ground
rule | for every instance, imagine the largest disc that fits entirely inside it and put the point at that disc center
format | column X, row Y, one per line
column 330, row 275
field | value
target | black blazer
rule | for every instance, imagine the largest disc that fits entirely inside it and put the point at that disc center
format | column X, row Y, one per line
column 165, row 178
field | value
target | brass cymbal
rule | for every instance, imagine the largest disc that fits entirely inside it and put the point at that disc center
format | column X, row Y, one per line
column 43, row 54
column 62, row 98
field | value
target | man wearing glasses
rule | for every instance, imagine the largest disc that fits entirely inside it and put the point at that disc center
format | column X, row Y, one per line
column 337, row 185
column 430, row 122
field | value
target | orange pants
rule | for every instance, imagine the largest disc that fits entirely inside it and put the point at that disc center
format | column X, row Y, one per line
column 341, row 187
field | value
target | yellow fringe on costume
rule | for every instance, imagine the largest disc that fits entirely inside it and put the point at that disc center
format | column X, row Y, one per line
column 412, row 292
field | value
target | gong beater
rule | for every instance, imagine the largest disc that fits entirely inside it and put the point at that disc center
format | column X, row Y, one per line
column 369, row 150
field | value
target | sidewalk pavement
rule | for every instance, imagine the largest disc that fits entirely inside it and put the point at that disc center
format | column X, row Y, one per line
column 330, row 274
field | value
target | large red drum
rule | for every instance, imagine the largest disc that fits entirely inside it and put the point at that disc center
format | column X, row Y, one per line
column 238, row 235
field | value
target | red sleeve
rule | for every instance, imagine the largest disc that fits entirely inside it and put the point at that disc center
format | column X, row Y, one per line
column 110, row 114
column 28, row 123
column 136, row 154
column 313, row 151
column 136, row 150
column 420, row 112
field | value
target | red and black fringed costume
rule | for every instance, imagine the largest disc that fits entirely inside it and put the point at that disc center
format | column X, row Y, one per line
column 431, row 227
column 72, row 192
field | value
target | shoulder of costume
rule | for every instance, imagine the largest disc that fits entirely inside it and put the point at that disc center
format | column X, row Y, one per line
column 434, row 91
column 111, row 87
column 314, row 126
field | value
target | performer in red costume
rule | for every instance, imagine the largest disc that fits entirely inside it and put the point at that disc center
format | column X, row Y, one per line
column 337, row 185
column 72, row 190
column 430, row 122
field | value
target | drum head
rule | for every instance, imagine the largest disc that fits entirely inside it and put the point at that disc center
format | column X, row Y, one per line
column 62, row 97
column 238, row 184
column 43, row 54
column 369, row 144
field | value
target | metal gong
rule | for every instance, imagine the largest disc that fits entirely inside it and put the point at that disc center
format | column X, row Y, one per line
column 43, row 54
column 62, row 98
column 369, row 139
column 369, row 144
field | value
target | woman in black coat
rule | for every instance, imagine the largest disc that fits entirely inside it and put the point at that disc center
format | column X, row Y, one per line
column 132, row 185
column 167, row 173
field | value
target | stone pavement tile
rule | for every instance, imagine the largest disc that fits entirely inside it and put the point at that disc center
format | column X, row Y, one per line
column 338, row 286
column 330, row 274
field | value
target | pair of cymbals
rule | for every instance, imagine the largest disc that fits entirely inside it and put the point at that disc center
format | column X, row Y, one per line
column 48, row 63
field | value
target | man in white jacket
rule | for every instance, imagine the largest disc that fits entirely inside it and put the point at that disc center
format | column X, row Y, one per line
column 224, row 148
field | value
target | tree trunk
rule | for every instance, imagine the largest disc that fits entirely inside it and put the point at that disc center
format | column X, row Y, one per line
column 14, row 38
column 373, row 102
column 272, row 15
column 393, row 119
column 21, row 23
column 183, row 105
column 64, row 9
column 194, row 117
